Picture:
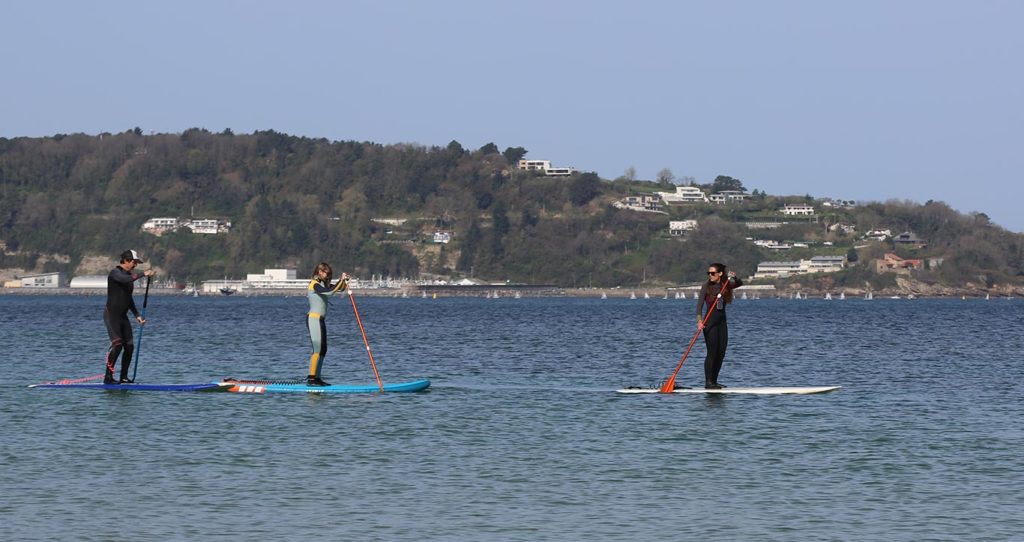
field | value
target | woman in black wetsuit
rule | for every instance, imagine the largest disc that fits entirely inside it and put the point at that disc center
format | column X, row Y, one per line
column 715, row 327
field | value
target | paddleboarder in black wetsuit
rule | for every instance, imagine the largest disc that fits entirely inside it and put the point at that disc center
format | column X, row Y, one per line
column 120, row 284
column 716, row 330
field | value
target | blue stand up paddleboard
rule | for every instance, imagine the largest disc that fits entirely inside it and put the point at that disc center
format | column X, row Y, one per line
column 264, row 386
column 206, row 386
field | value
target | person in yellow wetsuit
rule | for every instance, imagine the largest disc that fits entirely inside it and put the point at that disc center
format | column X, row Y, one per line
column 319, row 289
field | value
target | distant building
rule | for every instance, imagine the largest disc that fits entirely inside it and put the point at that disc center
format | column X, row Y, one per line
column 679, row 227
column 798, row 210
column 44, row 280
column 684, row 194
column 276, row 279
column 442, row 237
column 830, row 202
column 878, row 235
column 728, row 196
column 773, row 270
column 910, row 239
column 546, row 167
column 848, row 229
column 891, row 263
column 817, row 264
column 159, row 226
column 772, row 244
column 826, row 264
column 210, row 226
column 639, row 203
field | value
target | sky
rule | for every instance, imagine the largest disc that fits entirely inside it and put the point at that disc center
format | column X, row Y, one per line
column 873, row 100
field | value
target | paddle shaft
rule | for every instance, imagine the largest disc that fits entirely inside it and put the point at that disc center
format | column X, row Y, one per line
column 138, row 347
column 670, row 384
column 362, row 330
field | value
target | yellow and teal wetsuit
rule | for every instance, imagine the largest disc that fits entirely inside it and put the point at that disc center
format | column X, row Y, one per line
column 318, row 292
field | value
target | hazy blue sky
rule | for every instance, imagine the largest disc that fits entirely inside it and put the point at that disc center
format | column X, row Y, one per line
column 865, row 100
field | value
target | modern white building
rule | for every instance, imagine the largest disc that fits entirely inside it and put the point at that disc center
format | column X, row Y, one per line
column 684, row 194
column 728, row 196
column 546, row 167
column 442, row 237
column 210, row 226
column 778, row 269
column 276, row 279
column 680, row 227
column 158, row 226
column 817, row 264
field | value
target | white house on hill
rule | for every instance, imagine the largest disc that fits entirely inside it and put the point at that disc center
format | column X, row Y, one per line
column 684, row 194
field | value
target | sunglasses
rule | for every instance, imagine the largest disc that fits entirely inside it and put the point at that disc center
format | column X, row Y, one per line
column 714, row 272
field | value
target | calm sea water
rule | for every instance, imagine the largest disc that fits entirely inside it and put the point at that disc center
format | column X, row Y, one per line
column 521, row 436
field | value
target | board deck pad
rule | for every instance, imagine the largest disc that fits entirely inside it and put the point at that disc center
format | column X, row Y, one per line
column 747, row 390
column 256, row 386
column 205, row 386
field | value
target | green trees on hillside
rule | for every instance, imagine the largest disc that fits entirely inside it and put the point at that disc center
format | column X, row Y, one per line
column 296, row 201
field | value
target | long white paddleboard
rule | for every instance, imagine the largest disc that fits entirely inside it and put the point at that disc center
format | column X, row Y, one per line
column 754, row 391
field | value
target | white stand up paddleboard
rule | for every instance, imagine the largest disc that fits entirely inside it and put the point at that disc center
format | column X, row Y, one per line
column 755, row 391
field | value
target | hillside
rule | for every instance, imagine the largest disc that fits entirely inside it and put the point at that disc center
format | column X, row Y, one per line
column 374, row 209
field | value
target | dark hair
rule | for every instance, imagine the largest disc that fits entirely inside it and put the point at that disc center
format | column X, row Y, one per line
column 324, row 266
column 727, row 295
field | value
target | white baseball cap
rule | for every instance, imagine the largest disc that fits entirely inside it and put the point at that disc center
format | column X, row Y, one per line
column 131, row 255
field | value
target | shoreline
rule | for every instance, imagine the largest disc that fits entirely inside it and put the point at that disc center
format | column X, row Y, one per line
column 678, row 293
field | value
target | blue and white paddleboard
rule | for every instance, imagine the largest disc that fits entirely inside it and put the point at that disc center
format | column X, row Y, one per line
column 754, row 391
column 206, row 386
column 242, row 386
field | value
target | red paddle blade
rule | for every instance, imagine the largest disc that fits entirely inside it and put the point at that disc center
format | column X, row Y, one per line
column 669, row 385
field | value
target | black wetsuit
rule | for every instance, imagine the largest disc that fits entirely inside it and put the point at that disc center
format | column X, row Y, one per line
column 120, row 285
column 716, row 329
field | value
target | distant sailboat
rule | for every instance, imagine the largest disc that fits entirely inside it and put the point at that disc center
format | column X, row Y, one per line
column 604, row 295
column 632, row 295
column 869, row 296
column 842, row 295
column 828, row 296
column 646, row 296
column 744, row 296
